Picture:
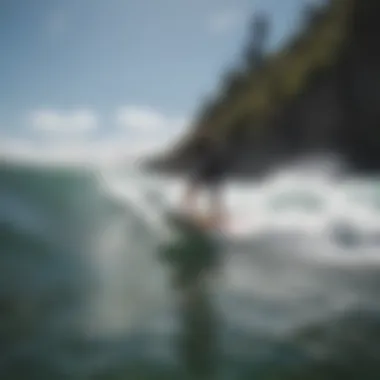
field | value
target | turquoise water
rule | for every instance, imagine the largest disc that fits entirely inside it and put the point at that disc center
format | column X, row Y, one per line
column 86, row 293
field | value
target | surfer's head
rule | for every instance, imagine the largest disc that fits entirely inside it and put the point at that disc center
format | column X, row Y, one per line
column 211, row 160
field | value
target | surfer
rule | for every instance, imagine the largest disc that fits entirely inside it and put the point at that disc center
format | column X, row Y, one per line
column 208, row 174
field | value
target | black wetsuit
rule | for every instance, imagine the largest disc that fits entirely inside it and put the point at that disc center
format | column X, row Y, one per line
column 215, row 162
column 212, row 166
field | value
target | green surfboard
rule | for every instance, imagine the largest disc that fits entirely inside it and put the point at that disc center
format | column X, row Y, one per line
column 193, row 252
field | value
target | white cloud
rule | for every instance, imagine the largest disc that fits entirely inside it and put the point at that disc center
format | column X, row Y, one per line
column 225, row 20
column 145, row 119
column 114, row 149
column 148, row 130
column 69, row 122
column 157, row 132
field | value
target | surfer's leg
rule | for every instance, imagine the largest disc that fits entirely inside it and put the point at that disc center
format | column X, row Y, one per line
column 190, row 200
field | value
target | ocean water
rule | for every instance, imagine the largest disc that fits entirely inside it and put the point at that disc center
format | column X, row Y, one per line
column 85, row 293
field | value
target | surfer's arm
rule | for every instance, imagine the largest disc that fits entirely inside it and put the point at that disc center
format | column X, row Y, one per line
column 217, row 212
column 215, row 215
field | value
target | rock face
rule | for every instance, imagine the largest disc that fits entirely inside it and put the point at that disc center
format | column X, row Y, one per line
column 335, row 109
column 360, row 88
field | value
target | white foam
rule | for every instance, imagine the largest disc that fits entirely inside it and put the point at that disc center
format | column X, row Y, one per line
column 290, row 201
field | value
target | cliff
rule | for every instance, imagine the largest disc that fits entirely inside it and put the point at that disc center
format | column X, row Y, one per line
column 319, row 93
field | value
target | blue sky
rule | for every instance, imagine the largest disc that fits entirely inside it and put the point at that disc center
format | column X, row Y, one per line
column 118, row 71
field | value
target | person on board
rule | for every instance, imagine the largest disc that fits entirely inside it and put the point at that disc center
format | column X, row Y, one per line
column 209, row 174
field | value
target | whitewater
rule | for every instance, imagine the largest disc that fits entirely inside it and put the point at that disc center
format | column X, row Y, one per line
column 302, row 248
